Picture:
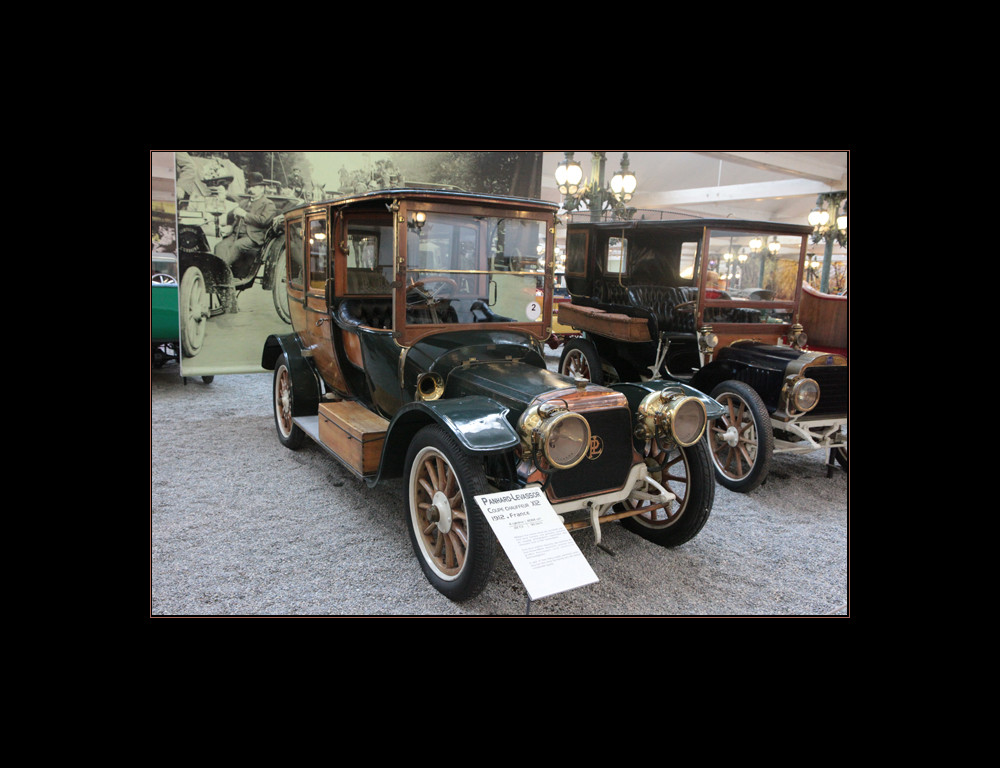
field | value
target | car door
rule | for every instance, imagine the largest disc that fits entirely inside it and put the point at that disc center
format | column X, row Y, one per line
column 317, row 329
column 364, row 289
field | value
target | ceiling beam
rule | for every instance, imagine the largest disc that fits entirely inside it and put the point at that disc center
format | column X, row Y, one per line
column 828, row 167
column 732, row 193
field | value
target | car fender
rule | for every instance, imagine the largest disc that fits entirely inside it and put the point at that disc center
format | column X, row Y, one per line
column 478, row 423
column 635, row 392
column 710, row 376
column 305, row 382
column 212, row 267
column 761, row 366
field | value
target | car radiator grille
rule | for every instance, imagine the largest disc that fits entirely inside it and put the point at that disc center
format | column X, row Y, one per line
column 832, row 381
column 607, row 471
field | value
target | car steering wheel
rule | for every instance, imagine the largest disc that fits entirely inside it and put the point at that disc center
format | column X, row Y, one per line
column 686, row 307
column 432, row 296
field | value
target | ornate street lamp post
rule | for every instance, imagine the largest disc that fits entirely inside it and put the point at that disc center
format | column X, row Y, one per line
column 595, row 194
column 829, row 224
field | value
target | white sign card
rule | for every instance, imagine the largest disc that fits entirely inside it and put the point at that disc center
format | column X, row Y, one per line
column 539, row 547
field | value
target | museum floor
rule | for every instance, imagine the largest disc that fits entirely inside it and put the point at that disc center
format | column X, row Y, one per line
column 241, row 526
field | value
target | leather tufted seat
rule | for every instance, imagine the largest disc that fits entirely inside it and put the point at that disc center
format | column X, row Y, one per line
column 373, row 313
column 662, row 302
column 612, row 293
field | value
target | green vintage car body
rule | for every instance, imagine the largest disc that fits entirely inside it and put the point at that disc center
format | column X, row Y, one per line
column 164, row 326
column 447, row 386
column 164, row 314
column 164, row 317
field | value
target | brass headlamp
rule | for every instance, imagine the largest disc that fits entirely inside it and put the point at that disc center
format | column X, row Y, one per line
column 797, row 337
column 708, row 340
column 670, row 414
column 800, row 394
column 562, row 435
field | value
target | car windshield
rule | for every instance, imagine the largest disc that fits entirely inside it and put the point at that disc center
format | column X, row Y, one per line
column 474, row 269
column 748, row 267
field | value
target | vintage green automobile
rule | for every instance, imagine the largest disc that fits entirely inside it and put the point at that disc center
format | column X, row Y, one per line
column 419, row 319
column 164, row 324
column 164, row 313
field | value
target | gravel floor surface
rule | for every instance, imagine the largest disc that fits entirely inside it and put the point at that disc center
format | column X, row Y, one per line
column 242, row 526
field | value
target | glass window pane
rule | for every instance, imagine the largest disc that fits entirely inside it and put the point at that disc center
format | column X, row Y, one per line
column 318, row 247
column 369, row 256
column 743, row 268
column 296, row 249
column 689, row 261
column 617, row 256
column 576, row 253
column 465, row 269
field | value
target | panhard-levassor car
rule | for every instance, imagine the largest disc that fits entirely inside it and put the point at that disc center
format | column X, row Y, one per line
column 715, row 304
column 419, row 318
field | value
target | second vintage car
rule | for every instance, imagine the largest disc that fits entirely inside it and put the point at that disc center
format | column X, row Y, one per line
column 417, row 352
column 716, row 304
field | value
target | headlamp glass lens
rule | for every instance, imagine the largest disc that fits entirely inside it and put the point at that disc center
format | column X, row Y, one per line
column 567, row 440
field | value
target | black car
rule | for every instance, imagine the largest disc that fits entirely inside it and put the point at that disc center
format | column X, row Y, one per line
column 714, row 304
column 417, row 353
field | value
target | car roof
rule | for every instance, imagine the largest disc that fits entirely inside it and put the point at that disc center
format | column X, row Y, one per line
column 429, row 194
column 742, row 225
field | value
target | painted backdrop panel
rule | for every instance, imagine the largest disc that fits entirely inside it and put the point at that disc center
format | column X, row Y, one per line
column 231, row 292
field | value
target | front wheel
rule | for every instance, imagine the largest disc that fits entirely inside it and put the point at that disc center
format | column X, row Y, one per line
column 580, row 359
column 194, row 311
column 741, row 440
column 450, row 536
column 290, row 435
column 686, row 473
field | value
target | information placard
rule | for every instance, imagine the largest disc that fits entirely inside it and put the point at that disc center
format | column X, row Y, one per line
column 539, row 547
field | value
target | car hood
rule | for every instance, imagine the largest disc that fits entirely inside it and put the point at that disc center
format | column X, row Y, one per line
column 763, row 355
column 506, row 366
column 514, row 384
column 775, row 358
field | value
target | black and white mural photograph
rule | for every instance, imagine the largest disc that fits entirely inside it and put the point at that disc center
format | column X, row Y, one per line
column 230, row 239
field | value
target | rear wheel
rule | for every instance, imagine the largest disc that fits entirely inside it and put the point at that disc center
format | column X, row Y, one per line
column 686, row 473
column 741, row 440
column 450, row 536
column 580, row 359
column 289, row 434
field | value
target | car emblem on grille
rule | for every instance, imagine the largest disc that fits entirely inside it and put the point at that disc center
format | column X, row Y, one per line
column 596, row 447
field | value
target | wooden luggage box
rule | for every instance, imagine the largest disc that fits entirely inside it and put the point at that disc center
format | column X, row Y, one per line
column 611, row 324
column 354, row 433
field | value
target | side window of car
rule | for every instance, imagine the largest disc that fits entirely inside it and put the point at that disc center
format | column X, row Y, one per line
column 616, row 262
column 369, row 256
column 295, row 252
column 690, row 261
column 576, row 254
column 318, row 251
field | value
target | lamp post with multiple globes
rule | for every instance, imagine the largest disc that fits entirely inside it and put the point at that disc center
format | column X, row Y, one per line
column 595, row 194
column 830, row 225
